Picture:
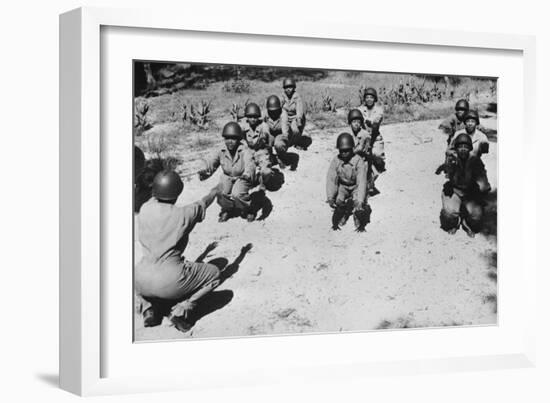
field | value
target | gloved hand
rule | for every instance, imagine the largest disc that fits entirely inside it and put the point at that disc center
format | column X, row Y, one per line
column 448, row 189
column 203, row 175
column 332, row 203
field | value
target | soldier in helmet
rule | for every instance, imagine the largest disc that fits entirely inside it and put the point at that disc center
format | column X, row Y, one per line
column 164, row 279
column 373, row 114
column 293, row 105
column 238, row 174
column 279, row 128
column 480, row 142
column 456, row 122
column 361, row 136
column 462, row 196
column 259, row 140
column 347, row 185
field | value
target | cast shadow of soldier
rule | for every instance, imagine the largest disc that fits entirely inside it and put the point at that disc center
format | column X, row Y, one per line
column 218, row 299
column 488, row 226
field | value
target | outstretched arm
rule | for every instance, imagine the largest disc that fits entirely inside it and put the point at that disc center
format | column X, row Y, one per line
column 211, row 196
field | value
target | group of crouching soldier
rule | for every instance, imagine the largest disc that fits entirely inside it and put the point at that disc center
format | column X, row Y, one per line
column 255, row 152
column 464, row 192
column 169, row 285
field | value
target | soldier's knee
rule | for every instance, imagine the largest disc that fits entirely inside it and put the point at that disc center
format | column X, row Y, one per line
column 474, row 210
column 448, row 219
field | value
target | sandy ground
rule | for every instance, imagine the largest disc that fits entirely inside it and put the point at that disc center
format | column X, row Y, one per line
column 302, row 277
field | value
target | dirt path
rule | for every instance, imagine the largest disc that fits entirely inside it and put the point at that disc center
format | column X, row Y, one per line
column 300, row 276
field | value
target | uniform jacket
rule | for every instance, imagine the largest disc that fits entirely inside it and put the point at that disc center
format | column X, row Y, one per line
column 351, row 173
column 469, row 177
column 279, row 126
column 362, row 142
column 375, row 115
column 258, row 138
column 164, row 228
column 478, row 139
column 294, row 106
column 241, row 163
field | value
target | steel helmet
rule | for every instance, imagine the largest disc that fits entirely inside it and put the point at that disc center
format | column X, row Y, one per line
column 345, row 141
column 355, row 114
column 289, row 82
column 252, row 110
column 472, row 114
column 463, row 138
column 372, row 91
column 462, row 104
column 167, row 186
column 232, row 130
column 273, row 103
column 139, row 161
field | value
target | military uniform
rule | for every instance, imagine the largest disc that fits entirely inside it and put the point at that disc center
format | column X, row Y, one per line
column 279, row 130
column 260, row 141
column 294, row 107
column 362, row 143
column 480, row 142
column 374, row 116
column 163, row 273
column 467, row 181
column 234, row 167
column 347, row 180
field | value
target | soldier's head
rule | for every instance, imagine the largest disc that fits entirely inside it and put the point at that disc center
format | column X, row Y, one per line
column 232, row 135
column 289, row 86
column 273, row 106
column 252, row 113
column 463, row 145
column 167, row 186
column 471, row 120
column 370, row 97
column 345, row 145
column 461, row 107
column 356, row 120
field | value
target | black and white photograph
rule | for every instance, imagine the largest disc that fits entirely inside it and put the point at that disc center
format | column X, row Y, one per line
column 279, row 200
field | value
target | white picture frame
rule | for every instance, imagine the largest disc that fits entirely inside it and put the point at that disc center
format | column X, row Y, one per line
column 83, row 306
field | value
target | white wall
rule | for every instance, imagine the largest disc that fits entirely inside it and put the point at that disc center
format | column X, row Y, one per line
column 29, row 149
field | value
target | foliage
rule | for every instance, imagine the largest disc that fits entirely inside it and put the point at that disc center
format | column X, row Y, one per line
column 142, row 122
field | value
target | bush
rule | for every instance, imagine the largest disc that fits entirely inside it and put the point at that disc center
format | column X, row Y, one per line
column 238, row 86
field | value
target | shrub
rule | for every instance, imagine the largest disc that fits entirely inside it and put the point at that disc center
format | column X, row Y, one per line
column 142, row 122
column 238, row 86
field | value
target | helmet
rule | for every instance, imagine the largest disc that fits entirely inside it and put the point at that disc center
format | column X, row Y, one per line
column 463, row 138
column 345, row 141
column 472, row 114
column 355, row 114
column 139, row 161
column 462, row 104
column 372, row 91
column 289, row 82
column 252, row 111
column 273, row 103
column 232, row 130
column 167, row 186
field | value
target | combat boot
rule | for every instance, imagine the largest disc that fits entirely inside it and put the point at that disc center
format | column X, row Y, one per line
column 181, row 323
column 151, row 317
column 224, row 216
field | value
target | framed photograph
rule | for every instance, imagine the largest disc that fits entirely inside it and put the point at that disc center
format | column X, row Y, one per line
column 235, row 195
